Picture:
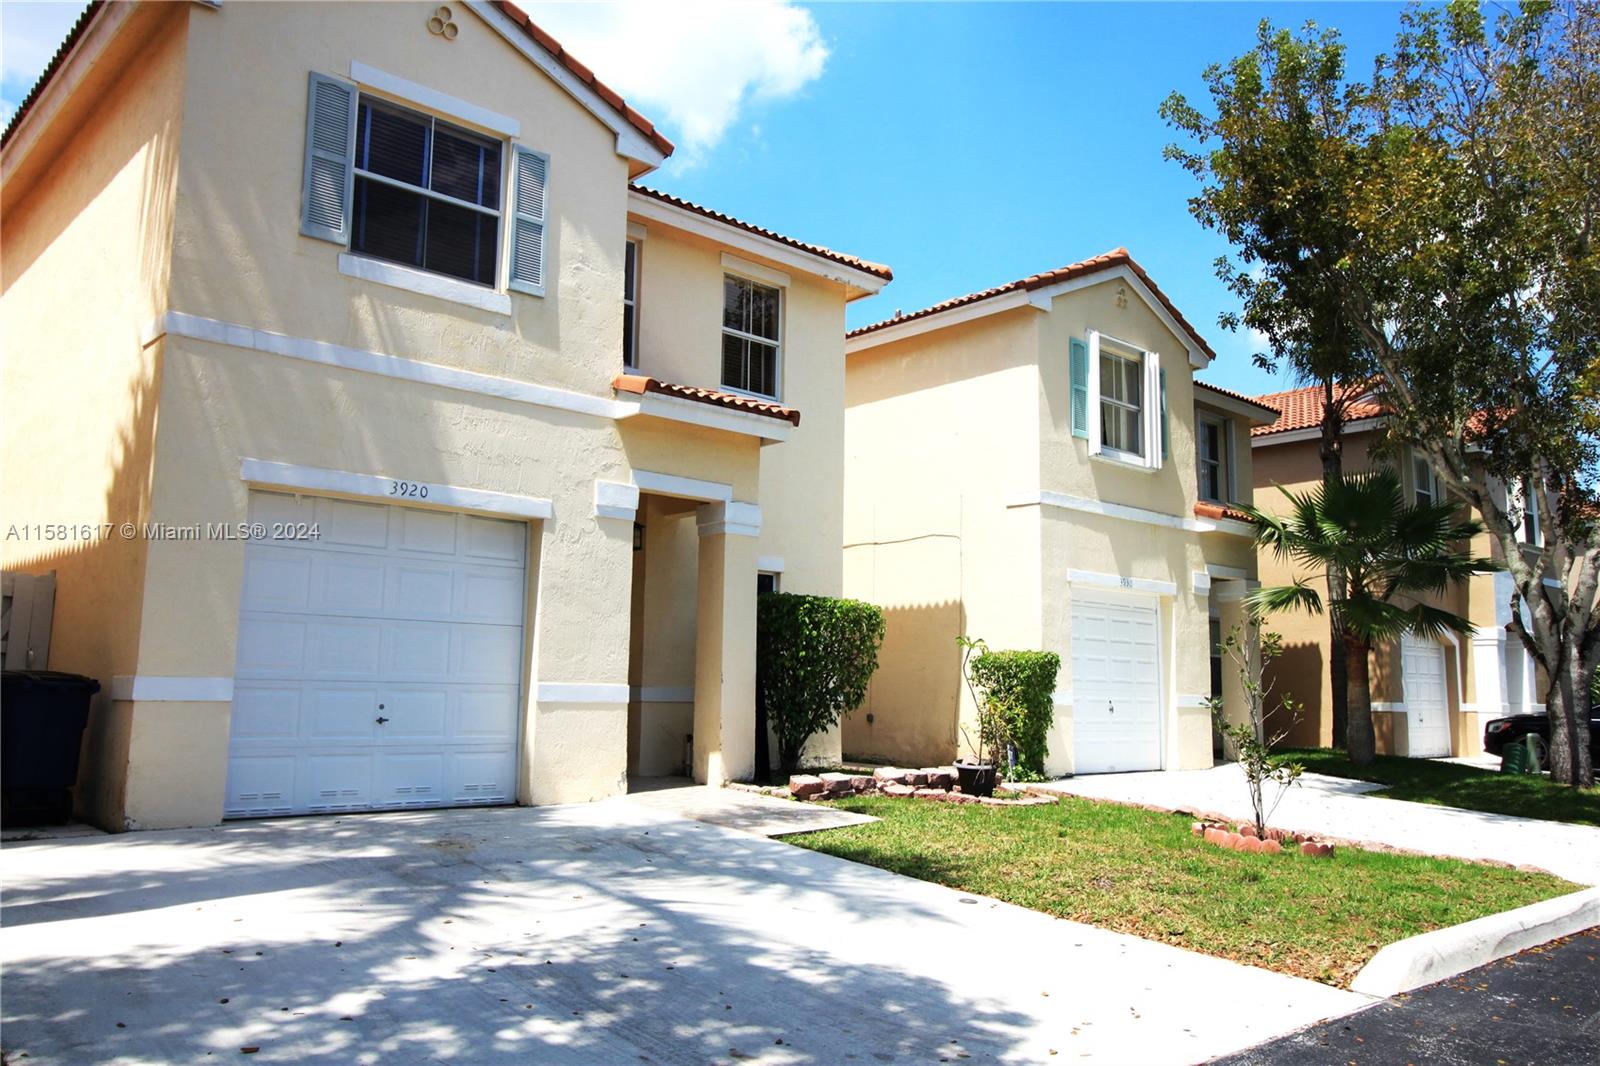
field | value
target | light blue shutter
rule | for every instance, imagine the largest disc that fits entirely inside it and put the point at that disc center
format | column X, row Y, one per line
column 1078, row 371
column 330, row 159
column 1165, row 430
column 527, row 224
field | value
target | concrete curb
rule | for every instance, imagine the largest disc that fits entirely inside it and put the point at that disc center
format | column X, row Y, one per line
column 1434, row 956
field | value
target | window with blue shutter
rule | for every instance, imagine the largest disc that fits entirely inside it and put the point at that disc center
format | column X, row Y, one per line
column 1078, row 372
column 527, row 232
column 330, row 153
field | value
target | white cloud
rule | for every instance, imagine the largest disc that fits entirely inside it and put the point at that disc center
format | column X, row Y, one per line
column 693, row 66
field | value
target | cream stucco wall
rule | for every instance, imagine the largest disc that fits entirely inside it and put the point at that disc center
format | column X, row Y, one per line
column 958, row 444
column 87, row 219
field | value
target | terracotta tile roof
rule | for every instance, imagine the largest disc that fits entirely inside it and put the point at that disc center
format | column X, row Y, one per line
column 640, row 384
column 585, row 75
column 1269, row 412
column 1215, row 511
column 50, row 68
column 1302, row 409
column 1106, row 261
column 877, row 269
column 511, row 11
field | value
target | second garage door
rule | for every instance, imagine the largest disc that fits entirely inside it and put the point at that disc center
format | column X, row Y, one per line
column 1427, row 716
column 1116, row 683
column 380, row 664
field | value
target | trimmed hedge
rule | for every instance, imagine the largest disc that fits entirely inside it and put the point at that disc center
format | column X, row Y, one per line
column 1020, row 687
column 814, row 657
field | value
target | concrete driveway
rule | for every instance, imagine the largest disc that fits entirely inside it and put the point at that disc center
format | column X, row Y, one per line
column 615, row 932
column 1356, row 810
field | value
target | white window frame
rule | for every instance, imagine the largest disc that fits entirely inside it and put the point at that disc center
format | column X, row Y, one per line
column 775, row 575
column 777, row 358
column 1528, row 502
column 1224, row 458
column 1150, row 403
column 502, row 244
column 630, row 301
column 1418, row 488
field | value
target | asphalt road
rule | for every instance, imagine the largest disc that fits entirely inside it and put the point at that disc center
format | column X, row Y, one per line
column 1540, row 1007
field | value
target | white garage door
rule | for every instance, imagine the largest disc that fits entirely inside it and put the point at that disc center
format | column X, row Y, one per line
column 1427, row 716
column 380, row 664
column 1116, row 683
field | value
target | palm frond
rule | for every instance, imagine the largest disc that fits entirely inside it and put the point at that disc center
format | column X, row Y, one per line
column 1273, row 599
column 1433, row 623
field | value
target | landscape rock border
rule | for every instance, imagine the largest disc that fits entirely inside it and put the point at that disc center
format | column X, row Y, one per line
column 937, row 783
column 1243, row 837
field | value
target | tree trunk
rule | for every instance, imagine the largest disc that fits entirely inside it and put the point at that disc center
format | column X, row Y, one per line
column 1332, row 452
column 1360, row 740
column 1568, row 707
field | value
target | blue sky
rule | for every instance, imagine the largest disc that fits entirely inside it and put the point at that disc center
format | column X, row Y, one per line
column 965, row 144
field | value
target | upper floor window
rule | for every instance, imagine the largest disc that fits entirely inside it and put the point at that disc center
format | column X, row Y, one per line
column 1121, row 403
column 1424, row 485
column 750, row 313
column 1211, row 436
column 1531, row 531
column 427, row 194
column 630, row 305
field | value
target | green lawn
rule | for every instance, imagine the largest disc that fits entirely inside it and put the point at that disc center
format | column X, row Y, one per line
column 1429, row 781
column 1141, row 872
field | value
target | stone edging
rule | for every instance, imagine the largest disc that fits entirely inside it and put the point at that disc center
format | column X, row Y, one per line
column 1443, row 953
column 928, row 783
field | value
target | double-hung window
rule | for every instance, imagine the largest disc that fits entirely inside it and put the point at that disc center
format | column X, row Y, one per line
column 750, row 341
column 1529, row 501
column 427, row 194
column 1424, row 486
column 630, row 305
column 1122, row 400
column 1211, row 440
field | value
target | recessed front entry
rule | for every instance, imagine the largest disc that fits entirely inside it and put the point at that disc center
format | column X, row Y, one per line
column 379, row 661
column 1116, row 683
column 1427, row 716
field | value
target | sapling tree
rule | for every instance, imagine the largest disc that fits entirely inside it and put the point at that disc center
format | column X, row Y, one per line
column 1249, row 650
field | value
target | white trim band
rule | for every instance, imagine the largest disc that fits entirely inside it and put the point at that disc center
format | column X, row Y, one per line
column 662, row 693
column 733, row 518
column 1121, row 583
column 392, row 490
column 687, row 488
column 580, row 692
column 421, row 281
column 613, row 499
column 1061, row 698
column 197, row 327
column 172, row 689
column 1189, row 702
column 769, row 564
column 1047, row 498
column 434, row 100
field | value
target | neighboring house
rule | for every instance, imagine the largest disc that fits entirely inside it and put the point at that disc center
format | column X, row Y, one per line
column 1036, row 465
column 375, row 278
column 1429, row 698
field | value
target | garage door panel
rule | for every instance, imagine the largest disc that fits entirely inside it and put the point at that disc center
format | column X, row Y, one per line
column 271, row 646
column 415, row 779
column 276, row 580
column 340, row 649
column 260, row 786
column 337, row 782
column 433, row 532
column 485, row 715
column 346, row 583
column 341, row 715
column 1426, row 699
column 482, row 777
column 488, row 594
column 1115, row 685
column 345, row 522
column 417, row 651
column 422, row 590
column 415, row 715
column 266, row 715
column 270, row 507
column 488, row 539
column 485, row 653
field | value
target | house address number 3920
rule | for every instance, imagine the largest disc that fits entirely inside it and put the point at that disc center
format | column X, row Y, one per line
column 414, row 490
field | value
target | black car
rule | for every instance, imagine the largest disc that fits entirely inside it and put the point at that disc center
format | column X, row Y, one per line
column 1500, row 732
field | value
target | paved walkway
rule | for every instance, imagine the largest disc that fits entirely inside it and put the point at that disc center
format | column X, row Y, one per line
column 1539, row 1008
column 748, row 812
column 605, row 933
column 1348, row 810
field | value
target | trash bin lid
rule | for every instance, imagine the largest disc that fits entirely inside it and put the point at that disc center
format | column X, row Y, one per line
column 53, row 678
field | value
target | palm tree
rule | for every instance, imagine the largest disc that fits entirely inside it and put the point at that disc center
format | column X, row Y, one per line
column 1389, row 552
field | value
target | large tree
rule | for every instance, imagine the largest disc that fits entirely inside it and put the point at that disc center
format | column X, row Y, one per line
column 1469, row 178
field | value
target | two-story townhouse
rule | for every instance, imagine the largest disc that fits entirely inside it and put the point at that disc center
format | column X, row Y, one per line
column 391, row 447
column 1036, row 465
column 1429, row 697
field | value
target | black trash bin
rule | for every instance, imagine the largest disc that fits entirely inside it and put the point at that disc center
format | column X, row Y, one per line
column 42, row 715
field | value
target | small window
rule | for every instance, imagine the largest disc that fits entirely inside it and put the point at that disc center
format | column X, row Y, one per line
column 766, row 582
column 1424, row 484
column 1211, row 440
column 1121, row 403
column 749, row 336
column 1531, row 532
column 630, row 305
column 427, row 194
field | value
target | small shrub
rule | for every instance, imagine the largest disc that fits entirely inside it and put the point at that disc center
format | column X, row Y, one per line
column 1014, row 691
column 814, row 655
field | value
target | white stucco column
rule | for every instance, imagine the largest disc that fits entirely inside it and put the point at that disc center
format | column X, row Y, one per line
column 725, row 643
